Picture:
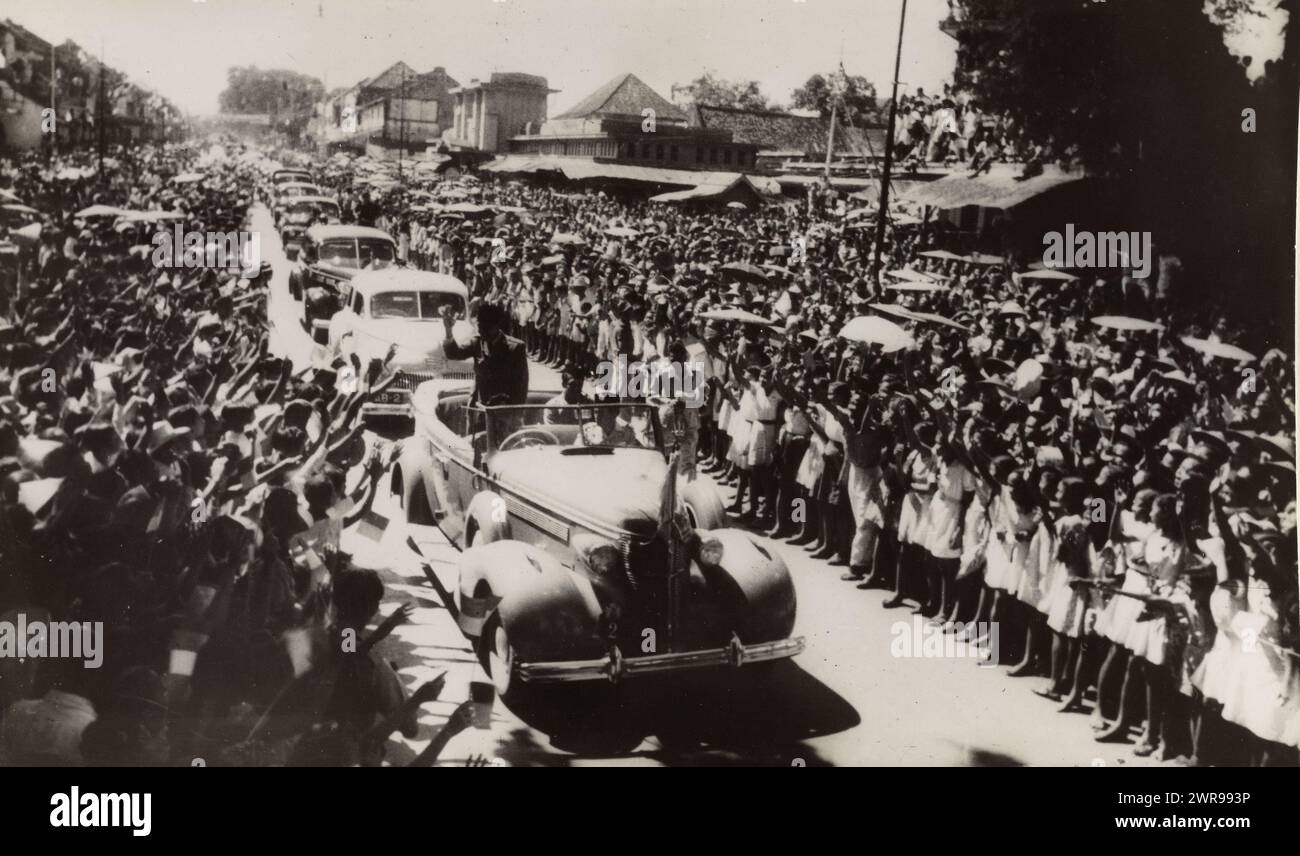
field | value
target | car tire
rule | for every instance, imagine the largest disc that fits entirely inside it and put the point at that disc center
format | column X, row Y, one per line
column 498, row 657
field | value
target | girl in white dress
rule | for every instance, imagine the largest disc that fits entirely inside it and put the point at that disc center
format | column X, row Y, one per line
column 920, row 474
column 1160, row 633
column 954, row 490
column 1249, row 677
column 994, row 556
column 1065, row 601
column 1116, row 620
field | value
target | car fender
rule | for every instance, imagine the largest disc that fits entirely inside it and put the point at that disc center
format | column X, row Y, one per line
column 414, row 467
column 486, row 519
column 762, row 581
column 550, row 612
column 702, row 496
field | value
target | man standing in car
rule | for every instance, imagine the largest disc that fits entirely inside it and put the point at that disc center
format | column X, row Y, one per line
column 500, row 361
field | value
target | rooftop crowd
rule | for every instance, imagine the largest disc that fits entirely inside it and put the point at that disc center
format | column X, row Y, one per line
column 1122, row 502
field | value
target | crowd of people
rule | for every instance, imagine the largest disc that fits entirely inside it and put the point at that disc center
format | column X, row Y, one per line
column 1118, row 494
column 179, row 489
column 950, row 127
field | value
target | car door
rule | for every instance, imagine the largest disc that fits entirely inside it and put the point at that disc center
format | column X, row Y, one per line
column 450, row 480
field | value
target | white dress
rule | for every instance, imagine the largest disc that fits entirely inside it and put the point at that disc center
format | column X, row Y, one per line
column 1030, row 572
column 1065, row 605
column 995, row 550
column 762, row 439
column 1156, row 639
column 945, row 518
column 919, row 470
column 975, row 532
column 1257, row 684
column 1118, row 617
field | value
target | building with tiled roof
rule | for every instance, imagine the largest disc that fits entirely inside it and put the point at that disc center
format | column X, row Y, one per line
column 784, row 136
column 625, row 97
column 627, row 122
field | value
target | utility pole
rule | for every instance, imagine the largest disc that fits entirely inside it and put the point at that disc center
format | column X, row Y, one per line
column 54, row 105
column 401, row 126
column 883, row 213
column 103, row 114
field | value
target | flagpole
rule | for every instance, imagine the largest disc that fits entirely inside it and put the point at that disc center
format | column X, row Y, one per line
column 889, row 152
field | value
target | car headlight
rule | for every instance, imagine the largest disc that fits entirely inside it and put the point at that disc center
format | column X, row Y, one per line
column 709, row 553
column 605, row 560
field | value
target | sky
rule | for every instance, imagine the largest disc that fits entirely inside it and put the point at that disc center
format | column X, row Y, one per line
column 182, row 48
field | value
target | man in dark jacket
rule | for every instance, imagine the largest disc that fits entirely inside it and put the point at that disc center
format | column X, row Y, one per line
column 500, row 361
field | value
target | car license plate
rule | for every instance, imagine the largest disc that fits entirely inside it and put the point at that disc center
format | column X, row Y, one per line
column 390, row 397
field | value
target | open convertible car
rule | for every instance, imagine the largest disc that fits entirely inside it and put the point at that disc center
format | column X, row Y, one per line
column 582, row 560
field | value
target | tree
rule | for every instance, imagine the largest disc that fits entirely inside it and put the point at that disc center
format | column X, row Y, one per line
column 857, row 107
column 250, row 89
column 1146, row 91
column 716, row 92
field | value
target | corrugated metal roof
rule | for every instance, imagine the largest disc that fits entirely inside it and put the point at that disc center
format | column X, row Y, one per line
column 1003, row 188
column 578, row 169
column 773, row 131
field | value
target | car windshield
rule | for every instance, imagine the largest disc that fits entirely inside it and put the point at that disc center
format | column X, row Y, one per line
column 422, row 305
column 582, row 428
column 376, row 254
column 342, row 253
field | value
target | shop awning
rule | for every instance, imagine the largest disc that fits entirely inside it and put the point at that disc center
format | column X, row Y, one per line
column 580, row 169
column 1000, row 189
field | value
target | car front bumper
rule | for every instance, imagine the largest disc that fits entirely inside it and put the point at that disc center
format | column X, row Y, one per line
column 616, row 667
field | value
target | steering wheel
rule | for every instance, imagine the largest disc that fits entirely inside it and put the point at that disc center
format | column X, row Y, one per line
column 527, row 438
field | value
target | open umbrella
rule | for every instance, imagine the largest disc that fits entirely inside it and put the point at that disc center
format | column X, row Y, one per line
column 1124, row 322
column 30, row 234
column 909, row 275
column 915, row 286
column 1048, row 276
column 942, row 255
column 621, row 232
column 188, row 178
column 745, row 271
column 101, row 211
column 19, row 209
column 467, row 208
column 739, row 316
column 895, row 310
column 984, row 259
column 874, row 330
column 939, row 319
column 8, row 196
column 1218, row 349
column 567, row 238
column 737, row 205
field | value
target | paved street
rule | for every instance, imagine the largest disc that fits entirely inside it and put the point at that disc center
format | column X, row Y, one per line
column 845, row 700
